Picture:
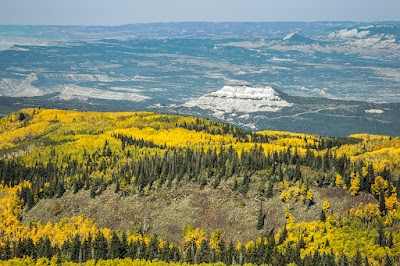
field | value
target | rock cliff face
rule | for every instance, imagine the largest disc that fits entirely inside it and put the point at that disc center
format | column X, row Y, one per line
column 240, row 99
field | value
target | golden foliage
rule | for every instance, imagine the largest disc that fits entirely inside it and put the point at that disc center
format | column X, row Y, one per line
column 215, row 240
column 193, row 236
column 69, row 133
column 355, row 185
column 325, row 205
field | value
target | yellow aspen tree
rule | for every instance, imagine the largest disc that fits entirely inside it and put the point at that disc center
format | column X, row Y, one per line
column 289, row 217
column 284, row 195
column 238, row 245
column 392, row 202
column 296, row 192
column 355, row 185
column 250, row 245
column 339, row 180
column 310, row 196
column 187, row 235
column 326, row 205
column 378, row 185
column 258, row 241
column 199, row 236
column 216, row 240
column 364, row 171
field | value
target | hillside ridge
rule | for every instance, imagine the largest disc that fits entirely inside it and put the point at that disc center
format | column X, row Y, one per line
column 164, row 174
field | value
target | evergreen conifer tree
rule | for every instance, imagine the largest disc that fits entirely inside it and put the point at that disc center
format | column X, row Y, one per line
column 270, row 190
column 76, row 249
column 260, row 219
column 382, row 205
column 388, row 261
column 357, row 260
column 322, row 216
column 343, row 260
column 115, row 247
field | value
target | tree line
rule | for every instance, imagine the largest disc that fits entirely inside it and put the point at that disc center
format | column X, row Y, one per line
column 165, row 166
column 98, row 247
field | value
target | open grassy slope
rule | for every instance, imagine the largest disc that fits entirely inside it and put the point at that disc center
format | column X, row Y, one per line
column 167, row 211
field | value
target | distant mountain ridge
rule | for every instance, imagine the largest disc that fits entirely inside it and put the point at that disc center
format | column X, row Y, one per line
column 334, row 71
column 40, row 34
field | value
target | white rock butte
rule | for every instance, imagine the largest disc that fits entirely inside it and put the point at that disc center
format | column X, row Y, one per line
column 240, row 99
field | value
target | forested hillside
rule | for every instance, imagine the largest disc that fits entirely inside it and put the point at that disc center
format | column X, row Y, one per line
column 89, row 186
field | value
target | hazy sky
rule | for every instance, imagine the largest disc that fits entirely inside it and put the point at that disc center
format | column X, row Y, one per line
column 117, row 12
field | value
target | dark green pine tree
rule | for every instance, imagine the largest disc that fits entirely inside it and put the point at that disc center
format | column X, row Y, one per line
column 30, row 247
column 370, row 176
column 76, row 249
column 390, row 241
column 57, row 255
column 398, row 188
column 382, row 205
column 290, row 253
column 217, row 181
column 191, row 255
column 388, row 260
column 21, row 116
column 30, row 201
column 203, row 182
column 343, row 261
column 297, row 173
column 230, row 254
column 124, row 245
column 366, row 262
column 357, row 260
column 100, row 247
column 301, row 244
column 6, row 252
column 322, row 216
column 164, row 252
column 25, row 247
column 271, row 243
column 177, row 255
column 244, row 187
column 65, row 249
column 204, row 252
column 380, row 239
column 222, row 254
column 115, row 247
column 132, row 250
column 270, row 190
column 75, row 187
column 86, row 249
column 43, row 248
column 152, row 248
column 117, row 187
column 329, row 259
column 316, row 259
column 260, row 219
column 235, row 185
column 17, row 252
column 296, row 255
column 283, row 235
column 92, row 192
column 60, row 190
column 278, row 259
